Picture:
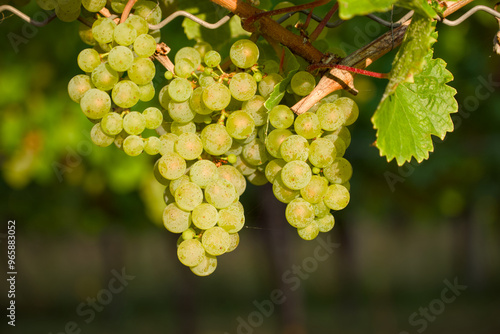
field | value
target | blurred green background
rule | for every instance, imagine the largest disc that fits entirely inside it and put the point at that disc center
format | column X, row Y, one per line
column 83, row 212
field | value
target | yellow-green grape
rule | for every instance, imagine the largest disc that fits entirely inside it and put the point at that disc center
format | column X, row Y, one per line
column 167, row 143
column 275, row 139
column 244, row 167
column 43, row 4
column 172, row 166
column 255, row 108
column 84, row 31
column 196, row 102
column 140, row 24
column 294, row 147
column 281, row 117
column 206, row 267
column 112, row 123
column 174, row 184
column 266, row 85
column 191, row 253
column 88, row 60
column 148, row 10
column 175, row 219
column 147, row 92
column 215, row 139
column 78, row 86
column 189, row 146
column 325, row 223
column 125, row 94
column 348, row 108
column 67, row 14
column 255, row 153
column 302, row 83
column 134, row 123
column 142, row 71
column 181, row 111
column 320, row 209
column 202, row 48
column 330, row 116
column 183, row 68
column 180, row 89
column 215, row 240
column 273, row 168
column 102, row 30
column 220, row 193
column 231, row 174
column 120, row 58
column 296, row 174
column 104, row 77
column 337, row 197
column 314, row 191
column 189, row 53
column 202, row 172
column 244, row 53
column 99, row 137
column 188, row 196
column 212, row 58
column 95, row 103
column 188, row 234
column 133, row 145
column 152, row 145
column 282, row 192
column 231, row 219
column 340, row 171
column 310, row 232
column 242, row 86
column 93, row 5
column 145, row 45
column 307, row 125
column 234, row 239
column 322, row 152
column 205, row 216
column 180, row 128
column 257, row 178
column 299, row 213
column 216, row 96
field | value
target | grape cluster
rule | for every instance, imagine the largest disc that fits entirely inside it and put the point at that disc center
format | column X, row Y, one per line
column 213, row 131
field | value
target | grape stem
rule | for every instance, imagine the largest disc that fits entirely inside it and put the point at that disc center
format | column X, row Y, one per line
column 377, row 75
column 323, row 22
column 127, row 9
column 161, row 55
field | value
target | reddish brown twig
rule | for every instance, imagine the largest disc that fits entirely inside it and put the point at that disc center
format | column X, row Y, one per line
column 377, row 75
column 127, row 9
column 323, row 22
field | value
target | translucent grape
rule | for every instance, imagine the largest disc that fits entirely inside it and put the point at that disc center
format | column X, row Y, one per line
column 212, row 58
column 205, row 216
column 231, row 219
column 142, row 71
column 273, row 168
column 322, row 152
column 189, row 146
column 206, row 267
column 215, row 240
column 153, row 117
column 307, row 125
column 281, row 117
column 299, row 213
column 180, row 128
column 120, row 58
column 140, row 25
column 95, row 103
column 112, row 124
column 181, row 111
column 240, row 125
column 244, row 167
column 234, row 239
column 342, row 133
column 88, row 60
column 134, row 123
column 104, row 77
column 340, row 171
column 274, row 141
column 242, row 86
column 180, row 89
column 337, row 197
column 175, row 219
column 231, row 174
column 196, row 102
column 314, row 191
column 191, row 252
column 188, row 196
column 220, row 193
column 188, row 234
column 148, row 10
column 310, row 232
column 67, row 14
column 215, row 139
column 296, row 174
column 118, row 5
column 282, row 192
column 294, row 147
column 99, row 137
column 93, row 5
column 331, row 118
column 145, row 45
column 205, row 80
column 147, row 92
column 133, row 145
column 188, row 53
column 167, row 143
column 325, row 223
column 348, row 108
column 255, row 108
column 320, row 209
column 125, row 94
column 174, row 184
column 163, row 97
column 216, row 96
column 102, row 30
column 152, row 145
column 302, row 83
column 257, row 178
column 84, row 31
column 184, row 68
column 78, row 86
column 266, row 86
column 172, row 166
column 202, row 172
column 255, row 153
column 244, row 53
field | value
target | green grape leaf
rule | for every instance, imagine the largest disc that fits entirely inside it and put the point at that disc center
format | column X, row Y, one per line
column 410, row 58
column 406, row 119
column 350, row 8
column 421, row 7
column 291, row 66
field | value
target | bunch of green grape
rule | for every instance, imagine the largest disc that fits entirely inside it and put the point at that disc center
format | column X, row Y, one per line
column 213, row 131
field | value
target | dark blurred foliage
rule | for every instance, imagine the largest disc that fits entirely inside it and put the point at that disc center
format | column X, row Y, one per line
column 83, row 211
